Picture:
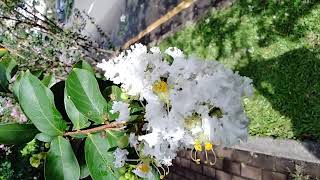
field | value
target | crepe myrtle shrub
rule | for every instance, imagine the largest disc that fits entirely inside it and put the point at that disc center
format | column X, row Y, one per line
column 131, row 124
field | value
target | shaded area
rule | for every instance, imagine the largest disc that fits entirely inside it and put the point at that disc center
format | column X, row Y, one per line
column 293, row 87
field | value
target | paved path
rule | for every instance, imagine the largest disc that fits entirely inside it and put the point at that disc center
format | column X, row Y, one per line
column 123, row 19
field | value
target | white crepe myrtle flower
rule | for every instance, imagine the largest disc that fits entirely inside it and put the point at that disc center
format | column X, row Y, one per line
column 123, row 110
column 133, row 140
column 120, row 157
column 190, row 103
column 143, row 170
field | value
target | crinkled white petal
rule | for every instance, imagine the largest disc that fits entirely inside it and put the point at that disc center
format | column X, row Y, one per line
column 120, row 157
column 123, row 109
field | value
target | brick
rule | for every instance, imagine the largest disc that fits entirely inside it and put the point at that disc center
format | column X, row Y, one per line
column 177, row 170
column 224, row 152
column 196, row 167
column 312, row 169
column 220, row 175
column 269, row 175
column 202, row 177
column 238, row 178
column 176, row 161
column 218, row 164
column 284, row 165
column 185, row 163
column 263, row 161
column 175, row 177
column 251, row 172
column 242, row 156
column 182, row 153
column 189, row 174
column 231, row 167
column 209, row 171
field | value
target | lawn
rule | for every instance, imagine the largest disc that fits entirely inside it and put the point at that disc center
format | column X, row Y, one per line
column 275, row 43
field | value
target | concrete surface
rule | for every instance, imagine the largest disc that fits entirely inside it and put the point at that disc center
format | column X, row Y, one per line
column 122, row 19
column 291, row 149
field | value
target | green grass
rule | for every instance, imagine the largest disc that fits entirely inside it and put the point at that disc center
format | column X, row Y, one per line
column 275, row 43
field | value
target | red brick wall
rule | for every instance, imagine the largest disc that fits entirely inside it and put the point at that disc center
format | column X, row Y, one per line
column 235, row 164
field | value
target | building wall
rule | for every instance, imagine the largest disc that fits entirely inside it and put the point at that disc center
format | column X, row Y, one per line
column 233, row 164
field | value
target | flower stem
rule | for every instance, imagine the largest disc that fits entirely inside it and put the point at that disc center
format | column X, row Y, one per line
column 115, row 125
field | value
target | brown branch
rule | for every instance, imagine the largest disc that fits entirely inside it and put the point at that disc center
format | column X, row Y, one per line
column 110, row 126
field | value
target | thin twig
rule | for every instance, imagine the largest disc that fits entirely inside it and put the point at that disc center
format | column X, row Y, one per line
column 110, row 126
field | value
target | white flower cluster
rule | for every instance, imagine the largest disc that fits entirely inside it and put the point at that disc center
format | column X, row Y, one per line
column 189, row 102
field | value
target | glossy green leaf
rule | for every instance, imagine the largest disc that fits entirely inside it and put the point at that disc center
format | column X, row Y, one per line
column 4, row 83
column 49, row 80
column 114, row 93
column 6, row 66
column 16, row 84
column 84, row 65
column 37, row 103
column 37, row 73
column 84, row 92
column 44, row 137
column 10, row 63
column 99, row 160
column 114, row 137
column 78, row 120
column 155, row 175
column 3, row 52
column 17, row 133
column 84, row 171
column 61, row 163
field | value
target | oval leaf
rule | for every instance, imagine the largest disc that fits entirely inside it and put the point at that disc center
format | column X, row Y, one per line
column 37, row 103
column 17, row 133
column 16, row 84
column 84, row 92
column 84, row 65
column 49, row 80
column 44, row 137
column 99, row 160
column 78, row 120
column 61, row 163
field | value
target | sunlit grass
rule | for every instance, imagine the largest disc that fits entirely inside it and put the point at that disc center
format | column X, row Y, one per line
column 276, row 43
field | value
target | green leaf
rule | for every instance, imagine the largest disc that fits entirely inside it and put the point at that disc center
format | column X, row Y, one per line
column 10, row 63
column 6, row 66
column 37, row 73
column 3, row 52
column 44, row 137
column 84, row 92
column 49, row 80
column 84, row 171
column 99, row 160
column 16, row 85
column 155, row 174
column 84, row 65
column 79, row 120
column 17, row 133
column 37, row 103
column 4, row 83
column 61, row 163
column 114, row 93
column 114, row 137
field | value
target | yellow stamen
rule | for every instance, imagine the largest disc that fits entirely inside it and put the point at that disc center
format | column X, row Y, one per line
column 160, row 87
column 145, row 168
column 208, row 146
column 197, row 145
